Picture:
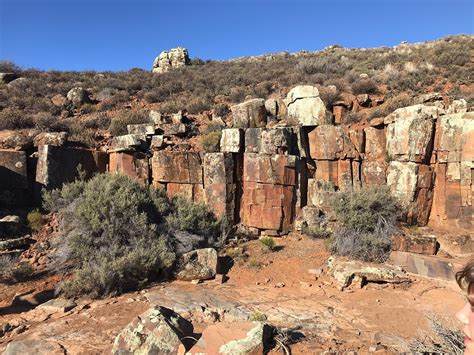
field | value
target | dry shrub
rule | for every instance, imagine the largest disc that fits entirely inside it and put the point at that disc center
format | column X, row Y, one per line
column 367, row 221
column 118, row 124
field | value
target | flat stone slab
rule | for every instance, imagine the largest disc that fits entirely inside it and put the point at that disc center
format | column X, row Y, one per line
column 34, row 346
column 423, row 265
column 58, row 305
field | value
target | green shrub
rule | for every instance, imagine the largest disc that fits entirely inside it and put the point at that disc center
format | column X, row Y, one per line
column 194, row 218
column 210, row 141
column 35, row 220
column 118, row 234
column 368, row 219
column 118, row 125
column 268, row 244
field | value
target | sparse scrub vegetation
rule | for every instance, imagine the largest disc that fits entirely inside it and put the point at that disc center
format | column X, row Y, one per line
column 367, row 221
column 118, row 125
column 268, row 243
column 119, row 234
column 35, row 220
column 196, row 87
column 11, row 271
column 316, row 232
column 210, row 140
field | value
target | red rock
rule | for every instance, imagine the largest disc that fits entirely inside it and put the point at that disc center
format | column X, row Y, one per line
column 232, row 338
column 176, row 167
column 415, row 244
column 266, row 206
column 374, row 143
column 374, row 172
column 269, row 169
column 57, row 165
column 339, row 113
column 134, row 165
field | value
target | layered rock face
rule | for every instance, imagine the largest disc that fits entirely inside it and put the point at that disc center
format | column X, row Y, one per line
column 267, row 177
column 167, row 60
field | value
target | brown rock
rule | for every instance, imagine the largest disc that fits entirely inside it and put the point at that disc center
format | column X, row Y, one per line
column 58, row 100
column 415, row 244
column 251, row 113
column 233, row 338
column 176, row 167
column 200, row 264
column 34, row 346
column 50, row 138
column 132, row 164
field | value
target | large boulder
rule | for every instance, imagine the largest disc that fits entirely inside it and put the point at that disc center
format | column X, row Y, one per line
column 249, row 114
column 402, row 179
column 167, row 60
column 231, row 140
column 78, row 96
column 306, row 107
column 157, row 331
column 18, row 139
column 200, row 264
column 410, row 132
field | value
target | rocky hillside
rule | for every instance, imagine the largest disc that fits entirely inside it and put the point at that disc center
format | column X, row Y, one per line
column 37, row 99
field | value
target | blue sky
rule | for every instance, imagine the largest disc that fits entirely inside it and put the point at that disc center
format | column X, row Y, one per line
column 122, row 34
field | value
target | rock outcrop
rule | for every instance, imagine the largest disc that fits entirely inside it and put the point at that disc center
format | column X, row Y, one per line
column 174, row 58
column 264, row 175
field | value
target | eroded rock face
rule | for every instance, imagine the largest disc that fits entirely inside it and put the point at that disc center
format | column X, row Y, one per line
column 174, row 58
column 410, row 133
column 249, row 114
column 157, row 331
column 198, row 264
column 306, row 107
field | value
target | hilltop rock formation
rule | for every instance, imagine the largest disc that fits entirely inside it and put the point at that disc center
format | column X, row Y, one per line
column 174, row 58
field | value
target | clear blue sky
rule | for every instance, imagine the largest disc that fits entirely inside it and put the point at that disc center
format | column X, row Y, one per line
column 122, row 34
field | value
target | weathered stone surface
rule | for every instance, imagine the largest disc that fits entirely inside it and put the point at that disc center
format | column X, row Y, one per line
column 270, row 169
column 50, row 138
column 134, row 165
column 271, row 141
column 59, row 100
column 198, row 264
column 232, row 140
column 176, row 167
column 402, row 179
column 157, row 331
column 320, row 192
column 267, row 206
column 415, row 244
column 423, row 265
column 455, row 135
column 219, row 183
column 374, row 143
column 128, row 142
column 10, row 225
column 374, row 172
column 306, row 107
column 271, row 105
column 328, row 142
column 57, row 165
column 13, row 169
column 410, row 133
column 457, row 106
column 34, row 346
column 192, row 192
column 78, row 96
column 233, row 338
column 174, row 58
column 141, row 129
column 344, row 272
column 58, row 305
column 249, row 114
column 157, row 142
column 18, row 139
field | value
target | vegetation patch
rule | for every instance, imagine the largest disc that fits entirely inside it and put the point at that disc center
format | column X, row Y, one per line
column 367, row 220
column 118, row 234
